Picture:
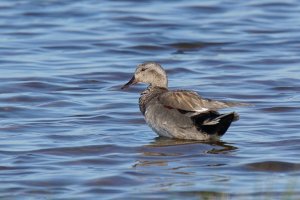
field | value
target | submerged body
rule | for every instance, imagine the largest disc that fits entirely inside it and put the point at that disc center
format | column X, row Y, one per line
column 179, row 114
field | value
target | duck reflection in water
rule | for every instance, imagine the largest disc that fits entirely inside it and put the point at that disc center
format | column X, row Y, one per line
column 163, row 150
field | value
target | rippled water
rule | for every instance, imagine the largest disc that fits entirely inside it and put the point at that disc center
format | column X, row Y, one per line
column 69, row 132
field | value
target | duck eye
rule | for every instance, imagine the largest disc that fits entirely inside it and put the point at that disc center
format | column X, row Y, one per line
column 143, row 69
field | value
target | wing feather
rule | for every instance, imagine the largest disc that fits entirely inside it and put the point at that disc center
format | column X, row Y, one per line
column 190, row 101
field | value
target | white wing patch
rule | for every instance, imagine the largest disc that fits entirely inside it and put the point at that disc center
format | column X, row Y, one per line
column 201, row 110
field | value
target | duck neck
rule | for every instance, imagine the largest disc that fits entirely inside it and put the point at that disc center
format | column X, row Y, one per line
column 162, row 83
column 148, row 94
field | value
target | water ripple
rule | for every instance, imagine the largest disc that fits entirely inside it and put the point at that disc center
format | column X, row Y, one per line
column 69, row 132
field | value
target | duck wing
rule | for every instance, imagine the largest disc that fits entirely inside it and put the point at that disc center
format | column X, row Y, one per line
column 189, row 101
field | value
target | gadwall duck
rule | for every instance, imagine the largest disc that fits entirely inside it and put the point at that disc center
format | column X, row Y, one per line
column 179, row 114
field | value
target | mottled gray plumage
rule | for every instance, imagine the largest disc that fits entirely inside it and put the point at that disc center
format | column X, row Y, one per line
column 179, row 114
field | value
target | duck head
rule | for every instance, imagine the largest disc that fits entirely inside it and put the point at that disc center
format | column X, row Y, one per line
column 151, row 73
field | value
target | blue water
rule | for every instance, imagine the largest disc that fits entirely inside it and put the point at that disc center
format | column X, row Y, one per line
column 67, row 130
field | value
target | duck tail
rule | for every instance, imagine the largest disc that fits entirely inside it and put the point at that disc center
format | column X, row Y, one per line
column 225, row 121
column 215, row 123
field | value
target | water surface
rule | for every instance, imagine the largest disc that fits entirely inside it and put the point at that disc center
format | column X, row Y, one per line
column 69, row 132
